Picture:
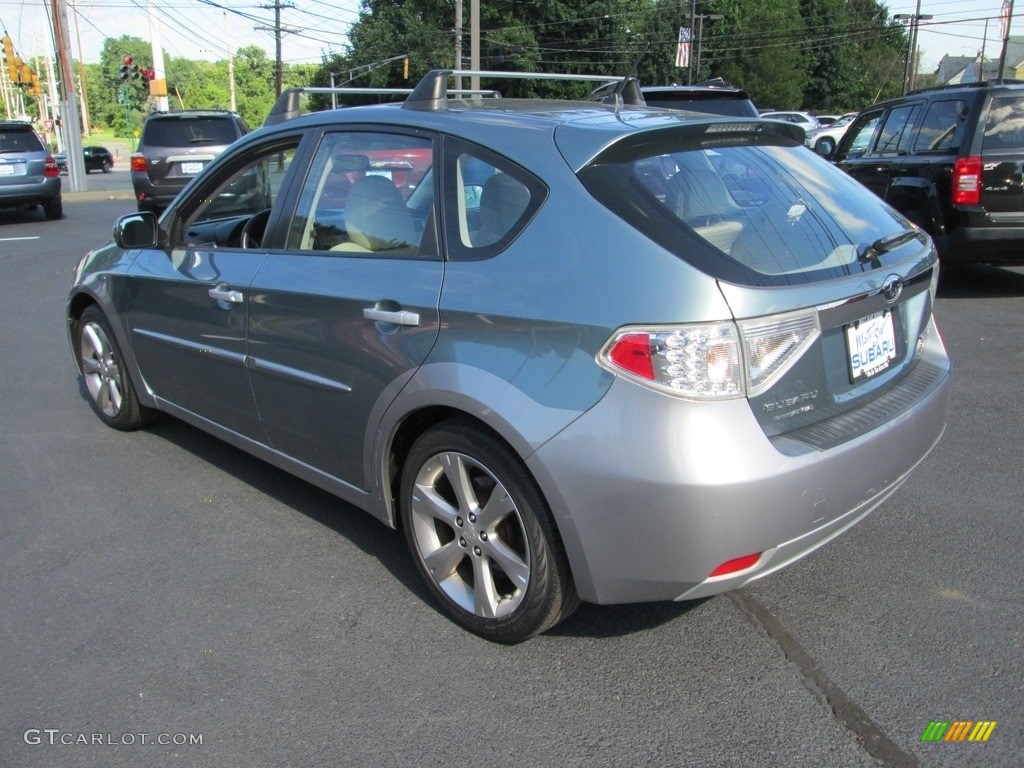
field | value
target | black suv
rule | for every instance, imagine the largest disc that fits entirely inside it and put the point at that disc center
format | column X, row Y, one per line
column 949, row 159
column 712, row 97
column 174, row 147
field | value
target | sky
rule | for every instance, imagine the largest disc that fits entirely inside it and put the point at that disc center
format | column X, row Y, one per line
column 207, row 29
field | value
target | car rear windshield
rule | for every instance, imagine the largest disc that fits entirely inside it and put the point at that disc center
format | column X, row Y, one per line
column 19, row 140
column 1005, row 127
column 189, row 131
column 753, row 210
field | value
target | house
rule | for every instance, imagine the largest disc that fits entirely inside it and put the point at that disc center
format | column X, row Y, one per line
column 968, row 69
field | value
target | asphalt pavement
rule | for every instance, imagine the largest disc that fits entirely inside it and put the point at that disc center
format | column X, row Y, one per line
column 161, row 586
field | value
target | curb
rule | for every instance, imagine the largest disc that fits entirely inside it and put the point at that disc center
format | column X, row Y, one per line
column 94, row 195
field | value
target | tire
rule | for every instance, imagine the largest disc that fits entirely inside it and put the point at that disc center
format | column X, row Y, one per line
column 108, row 166
column 107, row 383
column 826, row 145
column 53, row 209
column 482, row 536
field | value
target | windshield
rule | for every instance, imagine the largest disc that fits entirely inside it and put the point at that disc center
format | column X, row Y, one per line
column 776, row 212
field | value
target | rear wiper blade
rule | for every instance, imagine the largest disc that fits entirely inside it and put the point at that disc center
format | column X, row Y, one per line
column 886, row 244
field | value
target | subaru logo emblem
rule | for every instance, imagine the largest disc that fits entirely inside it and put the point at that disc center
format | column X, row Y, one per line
column 892, row 287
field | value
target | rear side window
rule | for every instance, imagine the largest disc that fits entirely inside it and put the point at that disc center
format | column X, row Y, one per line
column 19, row 140
column 189, row 132
column 754, row 214
column 1005, row 126
column 939, row 129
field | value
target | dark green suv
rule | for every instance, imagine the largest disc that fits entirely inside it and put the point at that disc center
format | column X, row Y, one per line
column 950, row 160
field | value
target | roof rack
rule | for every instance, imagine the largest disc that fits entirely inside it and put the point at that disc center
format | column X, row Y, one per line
column 430, row 94
column 288, row 105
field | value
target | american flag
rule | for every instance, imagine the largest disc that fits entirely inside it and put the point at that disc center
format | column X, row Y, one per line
column 1004, row 19
column 683, row 49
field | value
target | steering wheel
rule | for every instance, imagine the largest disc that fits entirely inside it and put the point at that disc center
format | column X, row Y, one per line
column 252, row 232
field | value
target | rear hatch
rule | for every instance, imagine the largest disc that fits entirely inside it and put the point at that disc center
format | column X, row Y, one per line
column 22, row 157
column 830, row 289
column 178, row 147
column 1002, row 154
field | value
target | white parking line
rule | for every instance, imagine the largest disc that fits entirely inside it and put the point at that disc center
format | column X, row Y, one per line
column 8, row 239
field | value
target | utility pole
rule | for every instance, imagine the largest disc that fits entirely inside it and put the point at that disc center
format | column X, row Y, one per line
column 277, row 29
column 909, row 71
column 81, row 76
column 458, row 43
column 697, row 38
column 231, row 63
column 474, row 42
column 70, row 122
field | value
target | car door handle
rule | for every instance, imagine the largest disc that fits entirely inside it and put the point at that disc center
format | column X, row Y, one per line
column 221, row 292
column 396, row 317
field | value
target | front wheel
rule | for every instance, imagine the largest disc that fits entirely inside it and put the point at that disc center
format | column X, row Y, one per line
column 108, row 166
column 111, row 393
column 481, row 535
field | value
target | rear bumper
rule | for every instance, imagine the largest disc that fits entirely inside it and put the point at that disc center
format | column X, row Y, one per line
column 29, row 193
column 693, row 485
column 158, row 195
column 990, row 244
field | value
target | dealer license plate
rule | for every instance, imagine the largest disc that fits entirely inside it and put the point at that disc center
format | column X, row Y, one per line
column 870, row 345
column 191, row 169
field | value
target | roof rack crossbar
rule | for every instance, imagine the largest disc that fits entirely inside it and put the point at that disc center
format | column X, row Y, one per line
column 430, row 94
column 288, row 105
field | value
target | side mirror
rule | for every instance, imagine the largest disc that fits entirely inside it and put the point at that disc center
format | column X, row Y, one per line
column 823, row 149
column 136, row 230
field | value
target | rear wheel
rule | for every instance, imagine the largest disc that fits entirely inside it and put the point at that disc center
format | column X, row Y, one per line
column 54, row 209
column 482, row 537
column 108, row 166
column 111, row 393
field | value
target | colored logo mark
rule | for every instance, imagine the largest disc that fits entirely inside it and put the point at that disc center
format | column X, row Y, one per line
column 958, row 730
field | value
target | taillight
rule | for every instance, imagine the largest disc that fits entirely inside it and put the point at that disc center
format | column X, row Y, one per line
column 50, row 168
column 713, row 361
column 139, row 164
column 967, row 180
column 698, row 361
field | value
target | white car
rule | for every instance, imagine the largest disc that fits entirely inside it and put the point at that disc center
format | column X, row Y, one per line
column 805, row 120
column 824, row 140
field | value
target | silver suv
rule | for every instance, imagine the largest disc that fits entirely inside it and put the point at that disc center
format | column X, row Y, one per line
column 573, row 350
column 29, row 176
column 174, row 147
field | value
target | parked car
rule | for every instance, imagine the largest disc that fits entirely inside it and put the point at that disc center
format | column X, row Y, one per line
column 96, row 159
column 174, row 147
column 29, row 176
column 823, row 140
column 558, row 391
column 950, row 160
column 805, row 120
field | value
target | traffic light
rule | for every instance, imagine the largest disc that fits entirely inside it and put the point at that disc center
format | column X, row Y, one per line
column 405, row 68
column 24, row 73
column 135, row 72
column 126, row 67
column 36, row 88
column 12, row 67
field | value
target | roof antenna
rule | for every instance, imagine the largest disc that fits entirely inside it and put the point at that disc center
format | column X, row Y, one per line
column 628, row 89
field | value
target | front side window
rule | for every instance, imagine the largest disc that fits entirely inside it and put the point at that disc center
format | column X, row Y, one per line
column 858, row 137
column 759, row 213
column 360, row 195
column 894, row 138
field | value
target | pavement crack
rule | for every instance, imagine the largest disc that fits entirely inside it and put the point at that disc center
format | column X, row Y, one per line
column 846, row 711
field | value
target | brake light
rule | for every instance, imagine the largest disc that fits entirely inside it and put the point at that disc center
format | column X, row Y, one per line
column 967, row 180
column 139, row 164
column 735, row 565
column 50, row 168
column 698, row 361
column 713, row 361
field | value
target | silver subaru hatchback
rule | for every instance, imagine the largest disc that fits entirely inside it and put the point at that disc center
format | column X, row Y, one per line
column 575, row 351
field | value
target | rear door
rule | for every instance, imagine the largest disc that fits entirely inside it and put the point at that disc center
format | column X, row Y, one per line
column 876, row 146
column 345, row 307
